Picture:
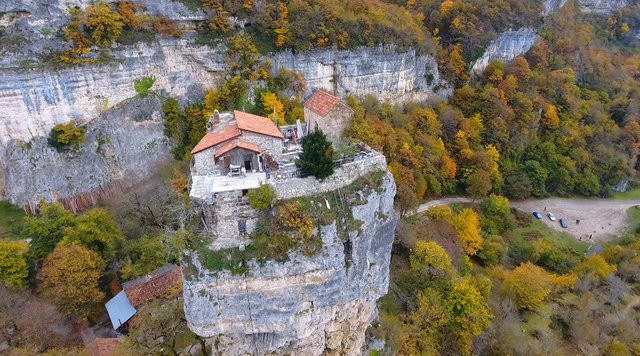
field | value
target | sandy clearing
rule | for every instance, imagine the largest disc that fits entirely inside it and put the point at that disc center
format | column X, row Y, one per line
column 599, row 218
column 602, row 219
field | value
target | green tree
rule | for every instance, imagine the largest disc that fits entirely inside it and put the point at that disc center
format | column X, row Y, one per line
column 493, row 248
column 470, row 314
column 478, row 184
column 47, row 229
column 317, row 155
column 496, row 216
column 262, row 198
column 159, row 325
column 143, row 256
column 96, row 231
column 70, row 277
column 13, row 264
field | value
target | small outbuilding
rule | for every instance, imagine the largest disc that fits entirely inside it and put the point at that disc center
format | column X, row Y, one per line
column 325, row 112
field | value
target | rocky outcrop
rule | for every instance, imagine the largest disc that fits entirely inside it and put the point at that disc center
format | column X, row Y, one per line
column 596, row 6
column 124, row 146
column 307, row 305
column 506, row 47
column 380, row 71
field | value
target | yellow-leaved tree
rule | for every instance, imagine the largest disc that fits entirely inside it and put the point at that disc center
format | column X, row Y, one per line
column 13, row 264
column 269, row 103
column 70, row 279
column 466, row 224
column 528, row 285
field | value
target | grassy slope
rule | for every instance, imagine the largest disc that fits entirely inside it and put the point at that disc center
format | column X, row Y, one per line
column 633, row 194
column 559, row 238
column 11, row 221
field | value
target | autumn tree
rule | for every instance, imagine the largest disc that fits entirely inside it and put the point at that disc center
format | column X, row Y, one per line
column 595, row 265
column 69, row 278
column 405, row 199
column 104, row 24
column 317, row 155
column 293, row 216
column 478, row 184
column 528, row 285
column 13, row 264
column 272, row 106
column 65, row 136
column 493, row 248
column 466, row 224
column 429, row 256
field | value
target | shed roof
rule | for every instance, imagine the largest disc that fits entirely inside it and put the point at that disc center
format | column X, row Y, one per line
column 321, row 103
column 119, row 309
column 257, row 124
column 237, row 144
column 217, row 137
column 153, row 285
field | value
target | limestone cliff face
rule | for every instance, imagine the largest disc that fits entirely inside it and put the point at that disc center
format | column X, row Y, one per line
column 597, row 6
column 506, row 47
column 35, row 96
column 308, row 305
column 123, row 147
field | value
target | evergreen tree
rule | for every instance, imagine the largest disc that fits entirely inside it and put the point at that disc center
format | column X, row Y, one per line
column 316, row 158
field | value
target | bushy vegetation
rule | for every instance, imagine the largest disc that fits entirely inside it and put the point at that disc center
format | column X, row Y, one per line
column 262, row 198
column 101, row 25
column 143, row 85
column 66, row 136
column 516, row 295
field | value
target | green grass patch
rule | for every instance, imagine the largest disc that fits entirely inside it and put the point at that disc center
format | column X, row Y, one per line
column 630, row 235
column 560, row 239
column 632, row 194
column 11, row 221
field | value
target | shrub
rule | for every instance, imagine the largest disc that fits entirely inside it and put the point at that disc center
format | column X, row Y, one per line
column 66, row 135
column 143, row 85
column 316, row 158
column 262, row 197
column 292, row 216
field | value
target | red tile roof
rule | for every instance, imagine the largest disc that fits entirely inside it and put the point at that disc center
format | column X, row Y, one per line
column 257, row 124
column 102, row 346
column 321, row 103
column 217, row 137
column 235, row 144
column 154, row 285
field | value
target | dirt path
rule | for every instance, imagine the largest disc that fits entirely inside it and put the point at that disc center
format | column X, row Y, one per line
column 600, row 219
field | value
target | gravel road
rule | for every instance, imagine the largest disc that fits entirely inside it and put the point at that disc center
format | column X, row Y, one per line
column 602, row 219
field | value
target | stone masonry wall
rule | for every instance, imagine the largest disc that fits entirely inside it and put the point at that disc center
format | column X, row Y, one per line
column 271, row 144
column 333, row 124
column 344, row 175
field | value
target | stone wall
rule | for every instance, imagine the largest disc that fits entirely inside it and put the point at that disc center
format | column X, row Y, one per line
column 344, row 175
column 204, row 162
column 224, row 216
column 333, row 124
column 272, row 145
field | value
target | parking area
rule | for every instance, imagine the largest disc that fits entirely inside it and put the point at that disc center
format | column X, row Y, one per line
column 600, row 220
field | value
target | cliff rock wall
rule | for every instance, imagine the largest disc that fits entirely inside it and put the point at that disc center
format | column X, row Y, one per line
column 308, row 305
column 506, row 47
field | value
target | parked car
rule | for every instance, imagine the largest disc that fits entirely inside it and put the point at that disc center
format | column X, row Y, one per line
column 551, row 216
column 563, row 223
column 537, row 215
